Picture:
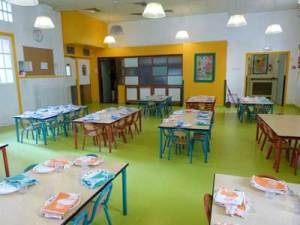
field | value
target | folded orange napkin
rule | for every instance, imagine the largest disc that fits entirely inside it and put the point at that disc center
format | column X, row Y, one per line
column 88, row 160
column 269, row 185
column 60, row 204
column 56, row 162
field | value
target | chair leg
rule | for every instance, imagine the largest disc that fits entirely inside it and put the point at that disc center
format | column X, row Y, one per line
column 296, row 163
column 263, row 144
column 83, row 142
column 107, row 215
column 269, row 152
column 260, row 136
column 123, row 137
column 99, row 142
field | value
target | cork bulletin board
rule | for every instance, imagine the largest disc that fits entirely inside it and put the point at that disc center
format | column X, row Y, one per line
column 41, row 60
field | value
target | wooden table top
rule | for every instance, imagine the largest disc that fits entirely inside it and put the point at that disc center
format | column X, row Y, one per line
column 264, row 211
column 283, row 125
column 201, row 99
column 255, row 101
column 3, row 145
column 105, row 117
column 189, row 117
column 25, row 208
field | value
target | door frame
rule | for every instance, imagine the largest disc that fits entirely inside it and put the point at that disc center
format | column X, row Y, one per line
column 285, row 78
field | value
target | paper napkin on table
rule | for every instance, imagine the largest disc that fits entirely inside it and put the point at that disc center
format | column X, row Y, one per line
column 56, row 162
column 234, row 201
column 21, row 180
column 96, row 178
column 60, row 204
column 269, row 185
column 88, row 160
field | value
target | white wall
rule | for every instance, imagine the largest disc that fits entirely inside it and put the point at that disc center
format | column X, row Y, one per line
column 213, row 27
column 35, row 92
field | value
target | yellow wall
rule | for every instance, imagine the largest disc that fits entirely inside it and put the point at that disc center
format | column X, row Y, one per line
column 188, row 51
column 82, row 29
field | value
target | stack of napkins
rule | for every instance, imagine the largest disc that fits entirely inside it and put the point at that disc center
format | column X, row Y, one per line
column 234, row 201
column 96, row 178
column 88, row 160
column 21, row 180
column 269, row 185
column 202, row 122
column 56, row 163
column 60, row 204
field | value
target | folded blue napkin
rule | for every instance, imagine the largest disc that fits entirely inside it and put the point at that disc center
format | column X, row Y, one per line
column 96, row 179
column 115, row 117
column 202, row 122
column 21, row 180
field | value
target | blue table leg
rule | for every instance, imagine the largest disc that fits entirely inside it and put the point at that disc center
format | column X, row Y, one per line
column 160, row 142
column 124, row 191
column 190, row 147
column 17, row 129
column 44, row 132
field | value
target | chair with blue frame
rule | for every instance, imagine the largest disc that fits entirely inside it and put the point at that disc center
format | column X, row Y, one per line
column 80, row 219
column 101, row 201
column 204, row 138
column 30, row 125
column 179, row 138
column 252, row 112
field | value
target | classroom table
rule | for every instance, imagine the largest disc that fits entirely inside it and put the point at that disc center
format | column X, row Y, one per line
column 106, row 121
column 276, row 211
column 25, row 208
column 43, row 115
column 156, row 104
column 284, row 126
column 5, row 160
column 259, row 104
column 201, row 102
column 188, row 116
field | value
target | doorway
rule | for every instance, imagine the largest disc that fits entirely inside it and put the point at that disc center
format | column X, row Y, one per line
column 266, row 75
column 108, row 82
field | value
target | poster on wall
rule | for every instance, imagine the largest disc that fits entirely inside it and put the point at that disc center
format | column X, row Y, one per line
column 205, row 67
column 260, row 64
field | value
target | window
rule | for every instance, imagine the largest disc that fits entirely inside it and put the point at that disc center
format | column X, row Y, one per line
column 68, row 70
column 6, row 61
column 6, row 12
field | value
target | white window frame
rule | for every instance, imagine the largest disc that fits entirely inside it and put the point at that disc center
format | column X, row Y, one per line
column 6, row 13
column 7, row 70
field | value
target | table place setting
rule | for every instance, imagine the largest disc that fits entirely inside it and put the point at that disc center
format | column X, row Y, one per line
column 95, row 178
column 17, row 183
column 88, row 160
column 234, row 201
column 58, row 205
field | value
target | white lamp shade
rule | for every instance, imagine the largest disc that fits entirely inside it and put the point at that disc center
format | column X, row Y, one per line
column 182, row 35
column 273, row 29
column 237, row 21
column 154, row 10
column 44, row 22
column 24, row 2
column 109, row 40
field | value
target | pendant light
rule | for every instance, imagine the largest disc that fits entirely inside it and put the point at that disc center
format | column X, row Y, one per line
column 154, row 10
column 237, row 20
column 44, row 22
column 24, row 2
column 273, row 29
column 109, row 39
column 182, row 35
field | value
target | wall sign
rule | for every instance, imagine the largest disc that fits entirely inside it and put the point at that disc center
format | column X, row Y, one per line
column 260, row 64
column 205, row 67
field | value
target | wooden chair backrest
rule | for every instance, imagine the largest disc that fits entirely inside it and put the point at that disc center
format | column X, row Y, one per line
column 208, row 205
column 135, row 117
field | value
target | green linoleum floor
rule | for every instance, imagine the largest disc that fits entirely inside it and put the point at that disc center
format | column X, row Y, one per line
column 162, row 192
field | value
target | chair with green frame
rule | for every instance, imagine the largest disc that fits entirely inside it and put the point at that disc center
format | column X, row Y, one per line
column 30, row 125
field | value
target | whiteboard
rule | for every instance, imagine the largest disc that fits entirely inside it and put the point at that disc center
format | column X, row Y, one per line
column 160, row 91
column 175, row 94
column 145, row 92
column 131, row 94
column 131, row 80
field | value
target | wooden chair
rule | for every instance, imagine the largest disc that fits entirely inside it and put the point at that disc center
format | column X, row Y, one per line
column 129, row 123
column 179, row 139
column 119, row 129
column 209, row 106
column 261, row 129
column 135, row 122
column 295, row 159
column 280, row 145
column 207, row 206
column 90, row 130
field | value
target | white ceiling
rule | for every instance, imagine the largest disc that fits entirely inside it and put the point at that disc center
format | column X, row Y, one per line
column 119, row 10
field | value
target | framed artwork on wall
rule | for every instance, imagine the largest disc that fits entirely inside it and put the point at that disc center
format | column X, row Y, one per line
column 205, row 64
column 260, row 63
